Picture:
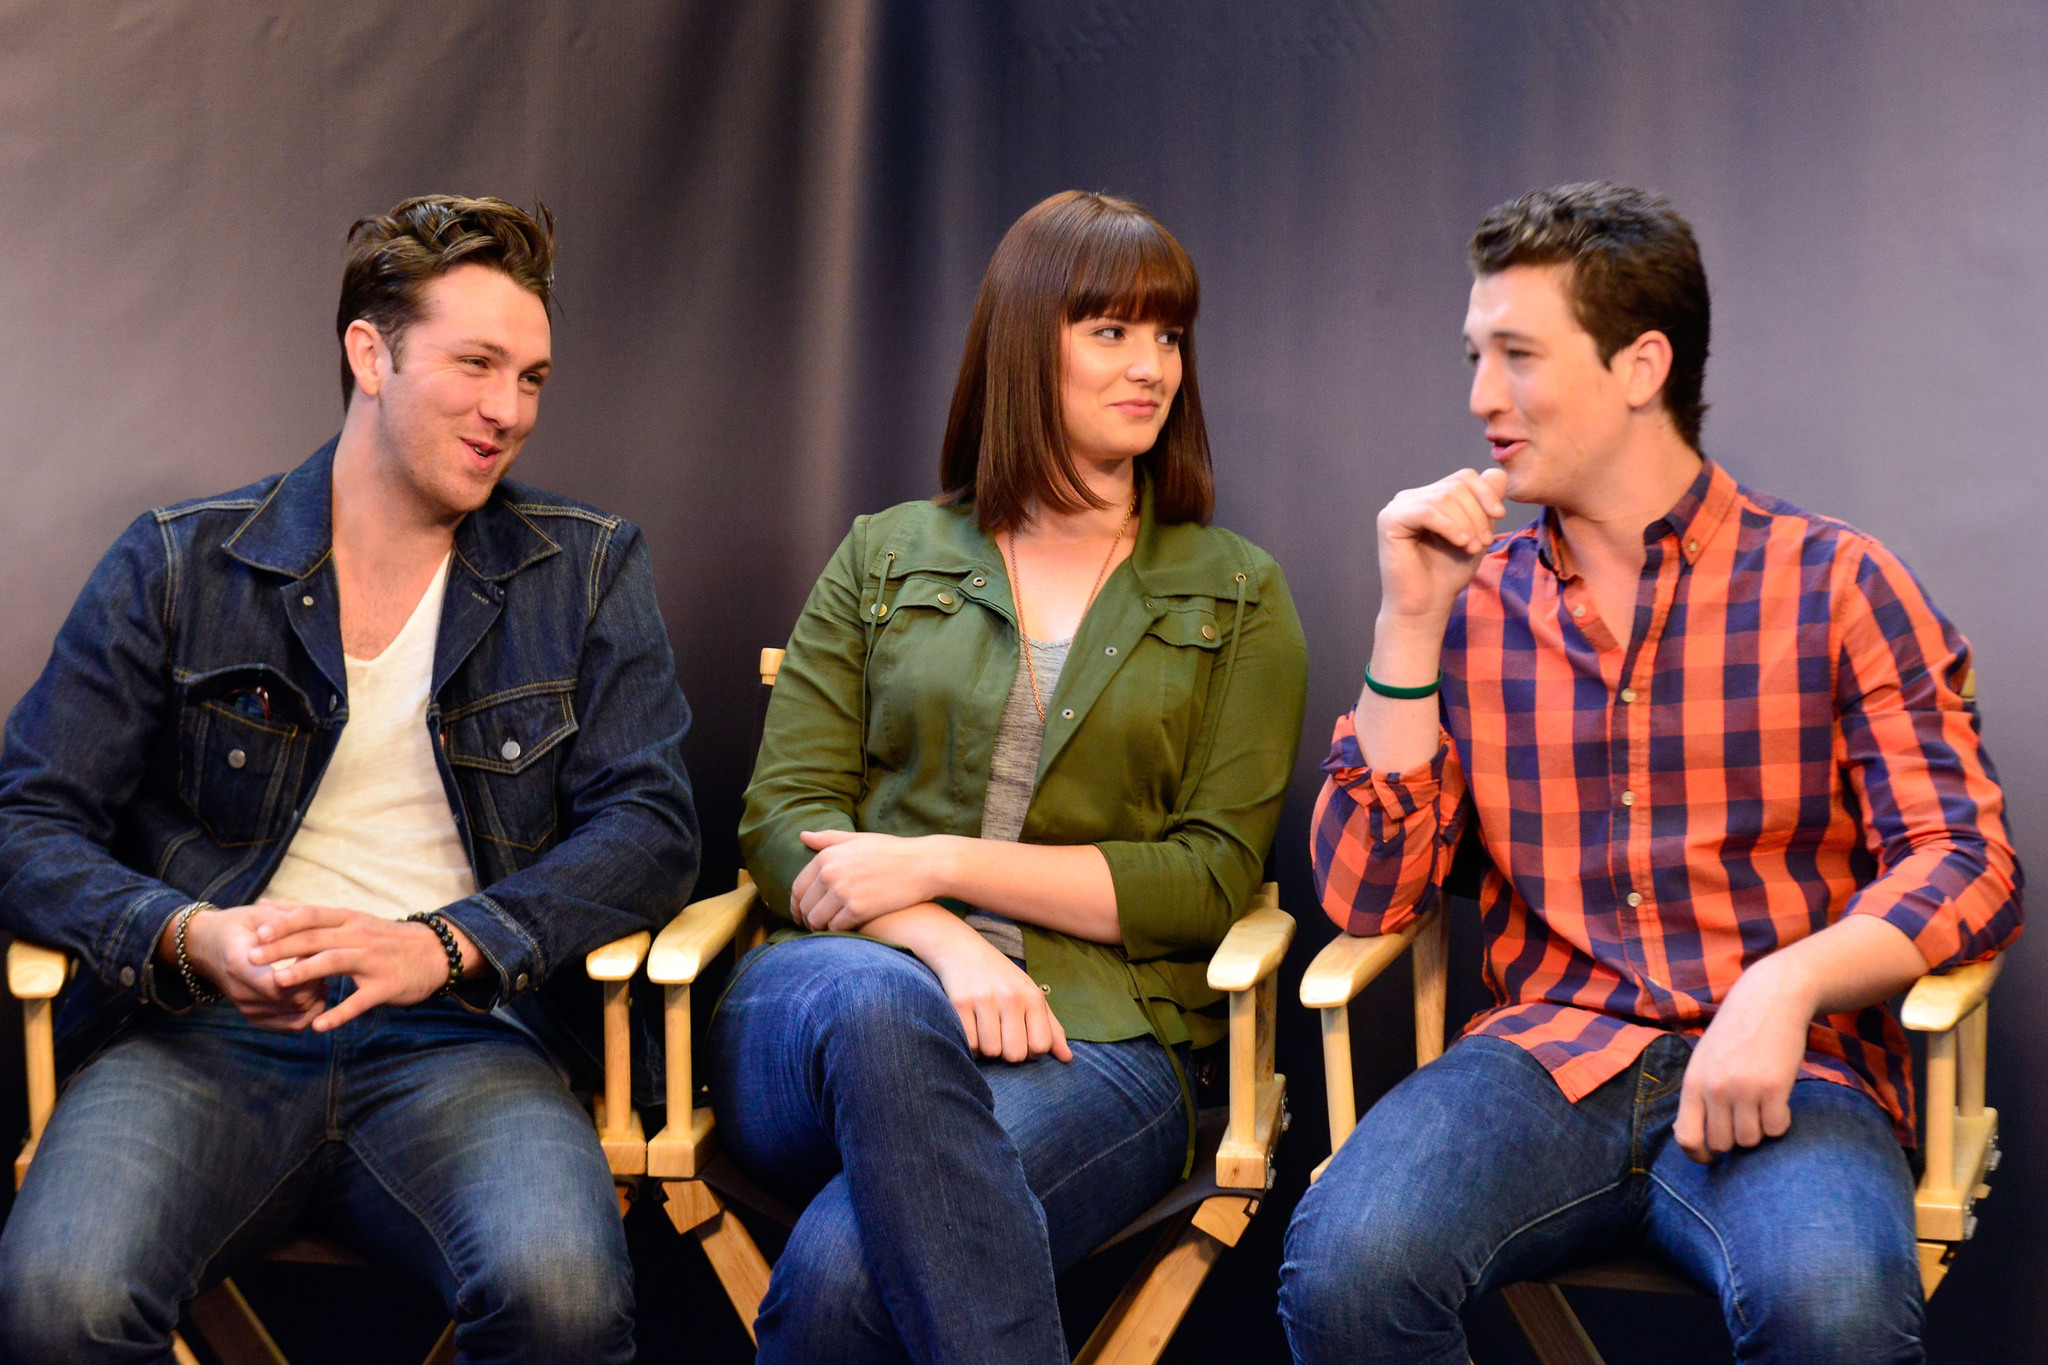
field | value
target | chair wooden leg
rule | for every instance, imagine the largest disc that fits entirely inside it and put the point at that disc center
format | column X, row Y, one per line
column 1142, row 1320
column 739, row 1264
column 444, row 1348
column 232, row 1329
column 1550, row 1325
column 182, row 1353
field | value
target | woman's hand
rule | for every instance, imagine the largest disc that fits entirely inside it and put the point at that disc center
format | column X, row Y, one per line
column 1001, row 1008
column 856, row 877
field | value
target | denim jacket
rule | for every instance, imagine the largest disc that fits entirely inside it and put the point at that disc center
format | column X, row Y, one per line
column 197, row 690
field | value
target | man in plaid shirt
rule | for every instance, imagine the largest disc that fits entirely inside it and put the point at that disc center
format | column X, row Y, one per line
column 1731, row 800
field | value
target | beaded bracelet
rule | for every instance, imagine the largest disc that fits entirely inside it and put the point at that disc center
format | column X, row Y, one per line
column 434, row 920
column 201, row 993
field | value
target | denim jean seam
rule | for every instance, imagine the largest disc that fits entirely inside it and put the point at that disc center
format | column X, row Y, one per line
column 1727, row 1261
column 406, row 1202
column 190, row 1290
column 1173, row 1112
column 1608, row 1188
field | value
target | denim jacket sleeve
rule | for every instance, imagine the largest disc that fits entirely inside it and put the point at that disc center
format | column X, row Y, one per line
column 630, row 858
column 75, row 753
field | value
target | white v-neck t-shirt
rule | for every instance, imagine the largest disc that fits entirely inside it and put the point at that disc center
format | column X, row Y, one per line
column 379, row 836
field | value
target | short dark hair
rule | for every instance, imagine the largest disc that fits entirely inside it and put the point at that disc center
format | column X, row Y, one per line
column 393, row 256
column 1634, row 267
column 1076, row 255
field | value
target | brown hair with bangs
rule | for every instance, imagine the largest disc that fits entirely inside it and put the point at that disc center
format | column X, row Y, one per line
column 1076, row 255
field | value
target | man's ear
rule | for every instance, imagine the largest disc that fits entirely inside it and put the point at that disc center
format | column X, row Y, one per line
column 368, row 356
column 1642, row 366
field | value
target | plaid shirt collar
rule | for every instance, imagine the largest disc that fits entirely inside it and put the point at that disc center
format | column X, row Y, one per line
column 1699, row 515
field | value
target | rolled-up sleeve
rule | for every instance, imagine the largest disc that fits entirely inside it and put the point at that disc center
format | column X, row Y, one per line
column 1910, row 747
column 1381, row 842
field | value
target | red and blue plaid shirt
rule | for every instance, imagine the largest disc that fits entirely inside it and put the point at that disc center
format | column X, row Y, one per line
column 1780, row 742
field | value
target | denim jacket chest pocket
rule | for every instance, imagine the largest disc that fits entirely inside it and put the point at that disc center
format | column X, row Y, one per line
column 244, row 732
column 505, row 750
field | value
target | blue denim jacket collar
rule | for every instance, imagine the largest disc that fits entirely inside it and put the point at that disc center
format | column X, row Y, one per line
column 292, row 532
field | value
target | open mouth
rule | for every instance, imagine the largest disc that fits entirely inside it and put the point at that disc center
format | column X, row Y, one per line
column 1506, row 447
column 483, row 452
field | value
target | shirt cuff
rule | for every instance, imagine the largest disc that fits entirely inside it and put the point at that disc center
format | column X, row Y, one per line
column 1402, row 792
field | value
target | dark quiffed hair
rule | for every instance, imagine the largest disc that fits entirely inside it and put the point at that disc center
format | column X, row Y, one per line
column 1635, row 268
column 1073, row 256
column 392, row 258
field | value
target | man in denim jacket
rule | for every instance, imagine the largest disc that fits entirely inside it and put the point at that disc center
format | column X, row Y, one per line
column 418, row 729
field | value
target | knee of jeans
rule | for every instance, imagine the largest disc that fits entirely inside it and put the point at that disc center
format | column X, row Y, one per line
column 1853, row 1308
column 557, row 1291
column 878, row 1001
column 1343, row 1259
column 51, row 1309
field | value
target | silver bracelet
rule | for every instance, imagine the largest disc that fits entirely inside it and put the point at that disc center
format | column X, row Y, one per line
column 201, row 993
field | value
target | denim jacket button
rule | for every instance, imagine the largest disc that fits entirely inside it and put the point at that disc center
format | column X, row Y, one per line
column 510, row 750
column 236, row 758
column 127, row 976
column 520, row 984
column 307, row 600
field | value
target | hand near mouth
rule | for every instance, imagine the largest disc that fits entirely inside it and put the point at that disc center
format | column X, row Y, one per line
column 1431, row 541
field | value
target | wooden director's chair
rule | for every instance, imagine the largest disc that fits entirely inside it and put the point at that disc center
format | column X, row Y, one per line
column 1194, row 1222
column 222, row 1315
column 1961, row 1138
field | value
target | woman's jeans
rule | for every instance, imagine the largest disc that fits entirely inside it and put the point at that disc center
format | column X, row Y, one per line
column 945, row 1190
column 1475, row 1172
column 437, row 1140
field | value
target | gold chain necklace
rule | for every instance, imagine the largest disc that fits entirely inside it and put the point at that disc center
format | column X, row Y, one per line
column 1017, row 596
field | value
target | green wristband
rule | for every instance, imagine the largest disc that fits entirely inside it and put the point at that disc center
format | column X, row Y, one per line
column 1428, row 689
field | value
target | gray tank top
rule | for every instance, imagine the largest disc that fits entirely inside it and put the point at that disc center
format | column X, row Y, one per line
column 1013, row 774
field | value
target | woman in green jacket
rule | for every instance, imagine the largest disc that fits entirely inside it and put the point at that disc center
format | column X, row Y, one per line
column 1020, row 772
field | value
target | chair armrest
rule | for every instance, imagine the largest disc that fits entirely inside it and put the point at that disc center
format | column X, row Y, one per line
column 619, row 959
column 34, row 976
column 1937, row 1004
column 1347, row 965
column 698, row 934
column 1244, row 966
column 1252, row 950
column 34, row 973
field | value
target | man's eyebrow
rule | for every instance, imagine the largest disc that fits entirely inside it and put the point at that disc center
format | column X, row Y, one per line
column 497, row 352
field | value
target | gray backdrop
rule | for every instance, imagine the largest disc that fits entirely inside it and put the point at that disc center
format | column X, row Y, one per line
column 773, row 216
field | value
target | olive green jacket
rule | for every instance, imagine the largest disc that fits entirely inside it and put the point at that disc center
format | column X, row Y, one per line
column 1169, row 741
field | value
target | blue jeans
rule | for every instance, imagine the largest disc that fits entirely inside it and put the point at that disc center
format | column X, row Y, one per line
column 1475, row 1172
column 945, row 1190
column 430, row 1138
